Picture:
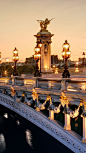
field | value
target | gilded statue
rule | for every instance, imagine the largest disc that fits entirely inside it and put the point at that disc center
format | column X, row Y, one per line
column 43, row 24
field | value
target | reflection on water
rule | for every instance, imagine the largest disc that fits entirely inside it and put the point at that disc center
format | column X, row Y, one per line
column 5, row 115
column 2, row 143
column 18, row 135
column 18, row 123
column 29, row 137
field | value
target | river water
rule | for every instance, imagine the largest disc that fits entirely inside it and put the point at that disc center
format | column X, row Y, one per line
column 17, row 135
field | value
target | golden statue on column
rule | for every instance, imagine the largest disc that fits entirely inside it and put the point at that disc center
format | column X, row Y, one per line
column 44, row 36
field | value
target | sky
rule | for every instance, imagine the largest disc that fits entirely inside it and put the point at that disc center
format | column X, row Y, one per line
column 18, row 26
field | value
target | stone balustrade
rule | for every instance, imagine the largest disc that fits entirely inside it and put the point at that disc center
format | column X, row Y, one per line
column 50, row 83
column 73, row 88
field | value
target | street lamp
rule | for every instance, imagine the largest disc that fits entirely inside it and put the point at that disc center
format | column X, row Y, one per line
column 83, row 64
column 5, row 73
column 0, row 62
column 76, row 67
column 66, row 55
column 40, row 45
column 37, row 57
column 15, row 59
column 0, row 57
column 83, row 55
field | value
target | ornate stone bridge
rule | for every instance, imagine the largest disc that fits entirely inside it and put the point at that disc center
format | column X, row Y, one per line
column 71, row 92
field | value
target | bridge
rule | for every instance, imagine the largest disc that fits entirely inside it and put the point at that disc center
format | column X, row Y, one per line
column 18, row 94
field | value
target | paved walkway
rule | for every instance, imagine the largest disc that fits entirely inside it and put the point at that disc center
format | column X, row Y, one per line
column 59, row 75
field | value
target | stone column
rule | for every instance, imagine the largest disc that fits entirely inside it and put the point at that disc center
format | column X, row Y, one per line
column 45, row 36
column 63, row 85
column 67, row 125
column 37, row 103
column 13, row 81
column 83, row 115
column 51, row 114
column 84, row 130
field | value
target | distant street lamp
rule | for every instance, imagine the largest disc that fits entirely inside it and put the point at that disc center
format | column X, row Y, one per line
column 37, row 57
column 56, row 70
column 66, row 55
column 83, row 55
column 40, row 45
column 77, row 67
column 5, row 73
column 0, row 62
column 15, row 59
column 83, row 62
column 53, row 68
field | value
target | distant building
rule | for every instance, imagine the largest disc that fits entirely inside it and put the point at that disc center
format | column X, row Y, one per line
column 81, row 60
column 54, row 59
column 20, row 64
column 30, row 61
column 7, row 63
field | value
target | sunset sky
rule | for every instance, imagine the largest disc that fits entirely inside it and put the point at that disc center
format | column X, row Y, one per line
column 18, row 26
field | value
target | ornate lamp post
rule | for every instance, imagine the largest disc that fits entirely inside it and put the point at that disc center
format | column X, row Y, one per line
column 5, row 73
column 40, row 45
column 83, row 64
column 15, row 59
column 0, row 57
column 0, row 62
column 77, row 68
column 83, row 54
column 37, row 57
column 66, row 55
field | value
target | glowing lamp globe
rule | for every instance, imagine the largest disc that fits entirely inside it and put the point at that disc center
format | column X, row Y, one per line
column 15, row 55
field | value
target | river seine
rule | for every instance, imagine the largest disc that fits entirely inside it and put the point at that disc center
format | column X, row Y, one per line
column 17, row 135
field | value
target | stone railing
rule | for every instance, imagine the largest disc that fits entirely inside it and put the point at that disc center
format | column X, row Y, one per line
column 44, row 123
column 52, row 84
column 48, row 84
column 76, row 85
column 6, row 80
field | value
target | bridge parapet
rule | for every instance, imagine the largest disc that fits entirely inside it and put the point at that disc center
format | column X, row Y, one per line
column 76, row 85
column 49, row 83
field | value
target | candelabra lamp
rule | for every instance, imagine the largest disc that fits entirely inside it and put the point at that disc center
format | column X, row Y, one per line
column 15, row 59
column 37, row 57
column 66, row 55
column 0, row 63
column 83, row 55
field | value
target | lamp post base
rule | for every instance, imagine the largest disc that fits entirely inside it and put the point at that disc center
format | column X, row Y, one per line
column 15, row 73
column 37, row 74
column 66, row 74
column 0, row 74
